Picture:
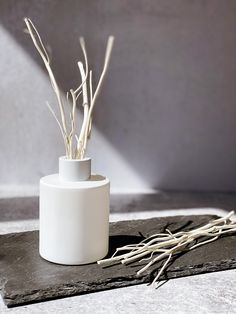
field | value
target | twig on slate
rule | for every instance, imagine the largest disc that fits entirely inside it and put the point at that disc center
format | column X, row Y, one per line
column 164, row 246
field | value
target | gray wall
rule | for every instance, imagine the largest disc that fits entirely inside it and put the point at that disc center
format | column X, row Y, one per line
column 166, row 118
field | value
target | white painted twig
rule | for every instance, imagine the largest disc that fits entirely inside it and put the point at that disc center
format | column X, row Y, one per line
column 96, row 93
column 163, row 246
column 80, row 142
column 44, row 55
column 88, row 102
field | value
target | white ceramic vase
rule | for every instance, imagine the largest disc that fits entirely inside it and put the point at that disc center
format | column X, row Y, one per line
column 74, row 214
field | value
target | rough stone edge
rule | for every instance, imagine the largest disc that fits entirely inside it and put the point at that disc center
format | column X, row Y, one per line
column 78, row 288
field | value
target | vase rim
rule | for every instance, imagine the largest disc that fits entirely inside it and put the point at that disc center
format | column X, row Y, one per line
column 64, row 158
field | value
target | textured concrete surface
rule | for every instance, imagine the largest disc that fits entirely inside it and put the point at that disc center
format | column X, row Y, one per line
column 208, row 294
column 166, row 115
column 26, row 277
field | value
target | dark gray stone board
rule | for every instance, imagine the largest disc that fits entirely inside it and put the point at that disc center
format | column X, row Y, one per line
column 25, row 277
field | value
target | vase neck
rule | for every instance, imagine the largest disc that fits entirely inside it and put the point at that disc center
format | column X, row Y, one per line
column 73, row 170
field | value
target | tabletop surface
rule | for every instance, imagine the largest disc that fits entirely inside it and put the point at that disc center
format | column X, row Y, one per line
column 207, row 293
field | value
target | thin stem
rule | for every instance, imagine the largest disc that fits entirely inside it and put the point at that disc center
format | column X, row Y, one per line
column 83, row 47
column 86, row 110
column 106, row 63
column 162, row 269
column 44, row 55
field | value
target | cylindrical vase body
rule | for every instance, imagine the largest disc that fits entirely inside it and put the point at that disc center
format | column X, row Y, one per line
column 74, row 218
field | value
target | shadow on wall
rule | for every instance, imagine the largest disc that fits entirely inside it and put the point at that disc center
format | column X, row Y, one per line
column 168, row 104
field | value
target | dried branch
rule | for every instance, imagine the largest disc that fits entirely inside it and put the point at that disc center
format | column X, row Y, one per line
column 80, row 142
column 44, row 55
column 88, row 102
column 109, row 47
column 82, row 44
column 164, row 246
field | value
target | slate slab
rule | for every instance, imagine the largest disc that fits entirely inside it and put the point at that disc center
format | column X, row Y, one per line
column 26, row 278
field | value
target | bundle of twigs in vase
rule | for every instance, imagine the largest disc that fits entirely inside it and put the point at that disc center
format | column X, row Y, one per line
column 75, row 145
column 164, row 246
